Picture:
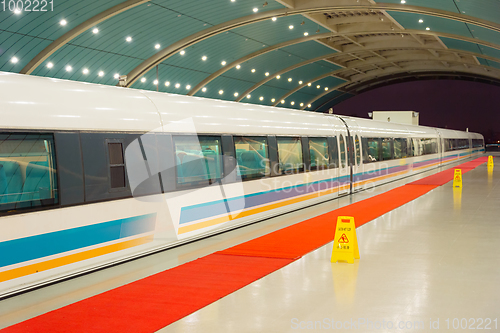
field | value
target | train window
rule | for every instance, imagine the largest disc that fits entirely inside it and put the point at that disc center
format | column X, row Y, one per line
column 370, row 150
column 28, row 175
column 318, row 153
column 198, row 159
column 252, row 157
column 290, row 155
column 428, row 146
column 400, row 148
column 386, row 149
column 334, row 158
column 342, row 151
column 358, row 150
column 116, row 165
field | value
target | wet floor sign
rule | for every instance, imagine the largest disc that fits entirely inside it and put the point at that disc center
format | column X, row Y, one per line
column 457, row 178
column 345, row 244
column 490, row 161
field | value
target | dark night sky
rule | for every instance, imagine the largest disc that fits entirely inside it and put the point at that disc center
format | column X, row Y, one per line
column 442, row 103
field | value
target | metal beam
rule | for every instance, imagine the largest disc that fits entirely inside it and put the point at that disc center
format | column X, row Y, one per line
column 301, row 9
column 76, row 31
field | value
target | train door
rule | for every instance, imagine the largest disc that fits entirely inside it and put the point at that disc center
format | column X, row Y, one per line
column 344, row 175
column 440, row 146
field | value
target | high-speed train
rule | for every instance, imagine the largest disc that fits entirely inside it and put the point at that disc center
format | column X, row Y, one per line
column 91, row 175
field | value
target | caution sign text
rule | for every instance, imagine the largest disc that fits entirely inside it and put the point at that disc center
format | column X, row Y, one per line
column 345, row 244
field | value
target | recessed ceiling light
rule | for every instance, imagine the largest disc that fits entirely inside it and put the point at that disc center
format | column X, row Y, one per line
column 116, row 76
column 289, row 79
column 253, row 70
column 236, row 94
column 188, row 87
column 128, row 39
column 182, row 52
column 249, row 96
column 273, row 100
column 306, row 33
column 157, row 46
column 261, row 98
column 69, row 68
column 274, row 18
column 309, row 84
column 403, row 1
column 95, row 31
column 223, row 63
column 238, row 66
column 85, row 71
column 318, row 86
column 233, row 0
column 293, row 103
column 17, row 11
column 50, row 65
column 204, row 89
column 420, row 21
column 427, row 28
column 143, row 80
column 14, row 60
column 101, row 73
column 301, row 104
column 177, row 85
column 255, row 10
column 167, row 83
column 278, row 77
column 326, row 88
column 308, row 105
column 300, row 82
column 63, row 22
column 290, row 27
column 267, row 74
column 221, row 92
column 282, row 101
column 155, row 82
column 204, row 58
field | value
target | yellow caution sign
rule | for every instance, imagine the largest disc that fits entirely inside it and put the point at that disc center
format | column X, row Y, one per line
column 490, row 161
column 457, row 178
column 345, row 244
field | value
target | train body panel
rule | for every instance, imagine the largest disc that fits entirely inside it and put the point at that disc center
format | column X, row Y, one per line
column 93, row 175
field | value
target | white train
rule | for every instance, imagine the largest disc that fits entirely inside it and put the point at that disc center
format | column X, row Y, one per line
column 92, row 175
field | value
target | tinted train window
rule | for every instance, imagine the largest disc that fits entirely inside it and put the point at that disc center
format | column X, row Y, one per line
column 27, row 171
column 334, row 158
column 252, row 157
column 290, row 155
column 198, row 159
column 342, row 151
column 400, row 148
column 370, row 150
column 358, row 150
column 318, row 152
column 116, row 165
column 386, row 149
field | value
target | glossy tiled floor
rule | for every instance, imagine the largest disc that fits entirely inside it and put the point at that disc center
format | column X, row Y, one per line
column 435, row 257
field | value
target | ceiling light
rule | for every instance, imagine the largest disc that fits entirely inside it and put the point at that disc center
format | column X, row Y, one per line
column 50, row 65
column 157, row 46
column 261, row 98
column 274, row 18
column 17, row 11
column 85, row 71
column 289, row 79
column 267, row 73
column 293, row 103
column 326, row 88
column 188, row 87
column 116, row 76
column 204, row 89
column 221, row 92
column 233, row 0
column 309, row 84
column 255, row 10
column 403, row 1
column 143, row 80
column 236, row 94
column 95, row 31
column 182, row 52
column 14, row 60
column 318, row 86
column 300, row 82
column 177, row 85
column 204, row 58
column 249, row 96
column 301, row 104
column 273, row 100
column 420, row 21
column 167, row 83
column 427, row 28
column 63, row 22
column 282, row 101
column 306, row 33
column 223, row 63
column 69, row 68
column 278, row 77
column 155, row 82
column 238, row 66
column 290, row 27
column 101, row 73
column 128, row 39
column 253, row 70
column 308, row 105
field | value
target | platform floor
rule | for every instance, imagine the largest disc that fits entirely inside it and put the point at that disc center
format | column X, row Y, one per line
column 435, row 258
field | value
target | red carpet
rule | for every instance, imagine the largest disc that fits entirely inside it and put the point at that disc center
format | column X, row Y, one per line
column 445, row 176
column 154, row 302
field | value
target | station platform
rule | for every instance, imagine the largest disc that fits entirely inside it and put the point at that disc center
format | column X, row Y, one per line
column 429, row 264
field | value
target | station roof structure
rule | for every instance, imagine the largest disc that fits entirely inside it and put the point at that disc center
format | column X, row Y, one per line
column 301, row 54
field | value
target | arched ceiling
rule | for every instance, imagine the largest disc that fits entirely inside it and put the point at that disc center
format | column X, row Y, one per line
column 302, row 54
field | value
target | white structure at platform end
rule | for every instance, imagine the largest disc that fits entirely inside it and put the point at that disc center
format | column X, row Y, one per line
column 399, row 117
